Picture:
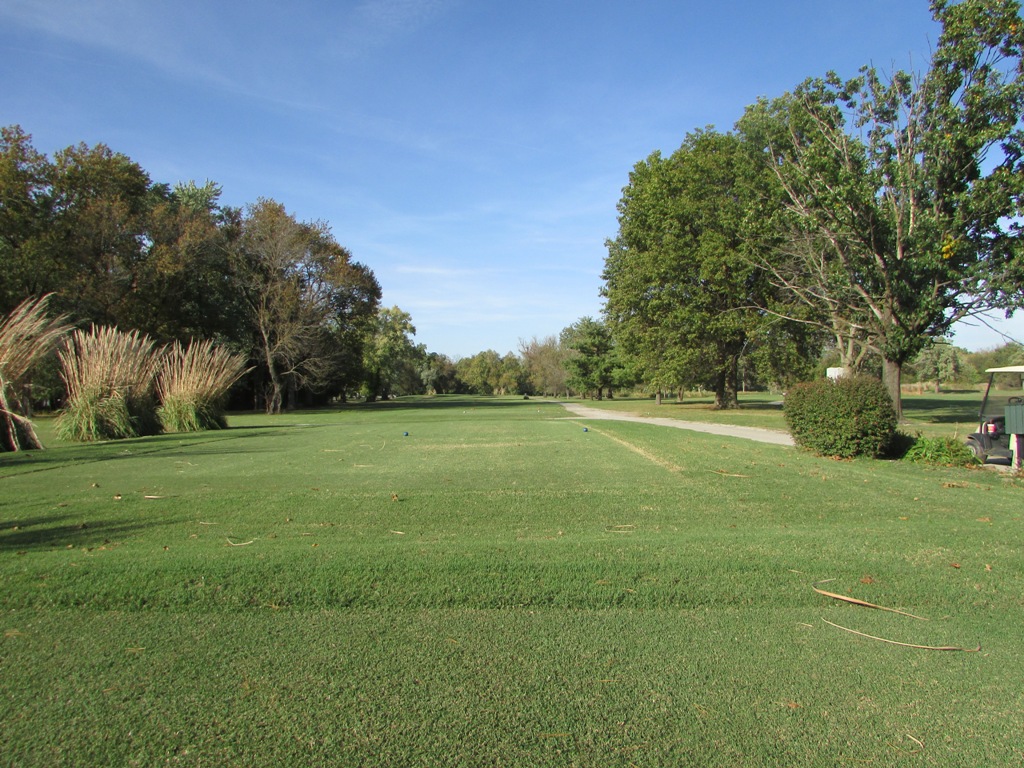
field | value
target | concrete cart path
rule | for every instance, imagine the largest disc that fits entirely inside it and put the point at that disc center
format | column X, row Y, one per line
column 747, row 433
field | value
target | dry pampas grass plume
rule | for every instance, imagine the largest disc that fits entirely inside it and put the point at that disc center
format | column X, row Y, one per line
column 27, row 335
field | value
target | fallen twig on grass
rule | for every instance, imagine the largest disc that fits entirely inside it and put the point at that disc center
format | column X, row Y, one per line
column 723, row 473
column 239, row 544
column 620, row 529
column 905, row 645
column 855, row 601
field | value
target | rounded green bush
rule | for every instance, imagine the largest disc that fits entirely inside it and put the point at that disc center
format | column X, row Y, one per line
column 846, row 417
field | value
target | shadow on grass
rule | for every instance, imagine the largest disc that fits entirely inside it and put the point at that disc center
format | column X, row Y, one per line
column 709, row 405
column 436, row 402
column 62, row 531
column 28, row 462
column 937, row 410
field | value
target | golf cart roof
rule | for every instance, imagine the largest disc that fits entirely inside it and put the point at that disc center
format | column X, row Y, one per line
column 1006, row 369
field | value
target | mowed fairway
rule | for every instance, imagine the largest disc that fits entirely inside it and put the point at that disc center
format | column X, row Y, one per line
column 501, row 587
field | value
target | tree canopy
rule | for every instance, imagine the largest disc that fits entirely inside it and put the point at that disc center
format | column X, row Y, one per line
column 877, row 210
column 902, row 193
column 681, row 296
column 117, row 249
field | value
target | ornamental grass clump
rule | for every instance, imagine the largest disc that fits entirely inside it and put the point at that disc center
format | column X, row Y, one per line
column 193, row 384
column 26, row 336
column 110, row 379
column 943, row 451
column 846, row 417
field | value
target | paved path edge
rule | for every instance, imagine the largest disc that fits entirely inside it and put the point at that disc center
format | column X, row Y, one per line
column 747, row 433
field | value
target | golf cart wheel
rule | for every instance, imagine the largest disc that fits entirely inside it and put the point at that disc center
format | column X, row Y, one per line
column 977, row 450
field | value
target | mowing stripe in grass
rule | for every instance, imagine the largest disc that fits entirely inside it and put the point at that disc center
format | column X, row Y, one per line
column 638, row 450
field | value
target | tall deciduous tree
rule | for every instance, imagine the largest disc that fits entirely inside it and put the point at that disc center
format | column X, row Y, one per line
column 679, row 290
column 544, row 361
column 24, row 204
column 437, row 372
column 351, row 325
column 480, row 373
column 909, row 186
column 100, row 202
column 592, row 362
column 389, row 352
column 297, row 279
column 938, row 362
column 187, row 286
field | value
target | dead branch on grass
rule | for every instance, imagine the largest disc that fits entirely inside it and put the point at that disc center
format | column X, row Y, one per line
column 855, row 601
column 905, row 645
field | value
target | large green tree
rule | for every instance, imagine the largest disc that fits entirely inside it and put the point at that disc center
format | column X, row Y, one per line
column 906, row 188
column 351, row 323
column 390, row 354
column 24, row 221
column 593, row 361
column 438, row 374
column 480, row 373
column 188, row 285
column 679, row 291
column 297, row 283
column 544, row 364
column 116, row 248
column 97, row 238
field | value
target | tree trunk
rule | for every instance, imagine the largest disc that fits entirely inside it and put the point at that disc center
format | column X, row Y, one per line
column 892, row 376
column 292, row 390
column 274, row 399
column 727, row 387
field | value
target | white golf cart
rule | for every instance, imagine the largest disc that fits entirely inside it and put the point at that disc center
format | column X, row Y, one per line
column 991, row 443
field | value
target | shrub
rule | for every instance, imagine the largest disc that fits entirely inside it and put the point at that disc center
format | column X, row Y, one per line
column 946, row 451
column 846, row 417
column 109, row 376
column 193, row 383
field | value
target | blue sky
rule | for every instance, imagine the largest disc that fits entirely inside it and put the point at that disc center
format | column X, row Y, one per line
column 470, row 152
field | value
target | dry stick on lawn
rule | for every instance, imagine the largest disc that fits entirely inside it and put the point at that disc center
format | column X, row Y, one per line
column 855, row 601
column 906, row 645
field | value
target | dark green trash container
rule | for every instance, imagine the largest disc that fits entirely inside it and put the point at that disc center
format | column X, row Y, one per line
column 1015, row 419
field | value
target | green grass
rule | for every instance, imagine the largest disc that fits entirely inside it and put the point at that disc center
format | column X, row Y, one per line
column 500, row 588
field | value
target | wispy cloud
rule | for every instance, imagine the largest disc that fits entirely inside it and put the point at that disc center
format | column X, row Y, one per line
column 267, row 53
column 376, row 22
column 164, row 36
